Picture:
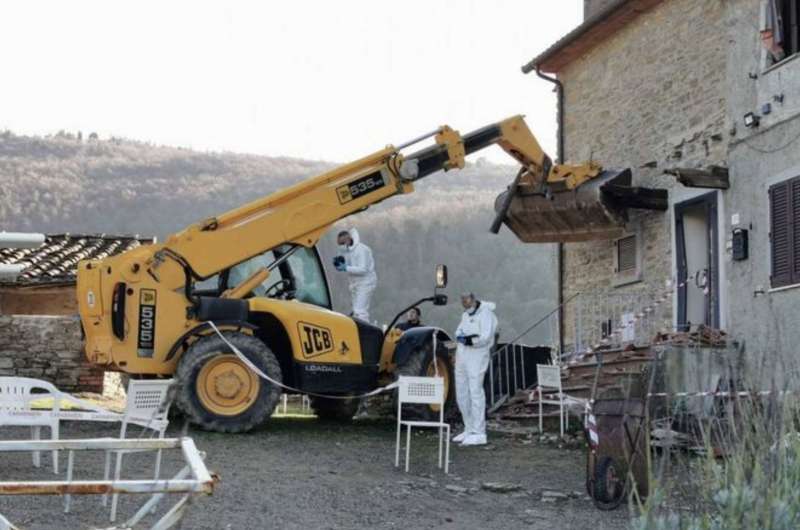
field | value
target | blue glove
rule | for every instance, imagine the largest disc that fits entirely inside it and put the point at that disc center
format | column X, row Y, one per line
column 339, row 263
column 341, row 267
column 461, row 339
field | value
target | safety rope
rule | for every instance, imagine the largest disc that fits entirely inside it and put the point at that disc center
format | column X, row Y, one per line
column 264, row 376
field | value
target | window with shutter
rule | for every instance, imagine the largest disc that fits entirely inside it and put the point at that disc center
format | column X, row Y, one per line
column 784, row 202
column 626, row 254
column 627, row 261
column 794, row 217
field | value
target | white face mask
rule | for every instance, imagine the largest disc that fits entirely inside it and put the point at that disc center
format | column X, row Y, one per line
column 343, row 248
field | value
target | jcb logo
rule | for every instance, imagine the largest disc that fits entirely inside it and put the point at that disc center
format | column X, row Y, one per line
column 344, row 194
column 314, row 339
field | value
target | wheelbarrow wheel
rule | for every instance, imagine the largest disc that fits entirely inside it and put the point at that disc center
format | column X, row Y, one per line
column 609, row 484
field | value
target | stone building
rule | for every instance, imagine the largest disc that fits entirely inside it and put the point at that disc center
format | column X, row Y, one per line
column 40, row 333
column 644, row 87
column 702, row 98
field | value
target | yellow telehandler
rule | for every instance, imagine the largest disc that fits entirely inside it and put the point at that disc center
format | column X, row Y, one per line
column 148, row 312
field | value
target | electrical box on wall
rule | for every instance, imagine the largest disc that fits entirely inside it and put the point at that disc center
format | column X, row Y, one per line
column 740, row 244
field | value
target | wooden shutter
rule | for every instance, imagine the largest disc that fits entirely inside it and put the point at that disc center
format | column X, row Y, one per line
column 781, row 233
column 626, row 254
column 795, row 224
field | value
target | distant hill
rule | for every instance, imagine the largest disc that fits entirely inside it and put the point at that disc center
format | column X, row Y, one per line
column 64, row 183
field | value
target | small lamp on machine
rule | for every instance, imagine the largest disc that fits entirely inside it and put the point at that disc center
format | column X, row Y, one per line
column 751, row 120
column 441, row 283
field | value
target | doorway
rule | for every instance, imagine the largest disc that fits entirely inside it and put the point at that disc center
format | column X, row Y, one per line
column 697, row 260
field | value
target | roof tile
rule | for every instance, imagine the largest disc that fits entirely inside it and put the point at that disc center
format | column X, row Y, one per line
column 56, row 261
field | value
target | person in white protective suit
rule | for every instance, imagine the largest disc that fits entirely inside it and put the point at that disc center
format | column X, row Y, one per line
column 355, row 258
column 475, row 336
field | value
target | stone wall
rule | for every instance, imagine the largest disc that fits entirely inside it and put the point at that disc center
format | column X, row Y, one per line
column 652, row 94
column 49, row 348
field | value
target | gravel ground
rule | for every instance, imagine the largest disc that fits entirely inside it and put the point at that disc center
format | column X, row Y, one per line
column 302, row 473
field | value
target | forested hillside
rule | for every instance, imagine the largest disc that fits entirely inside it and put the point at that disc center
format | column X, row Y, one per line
column 66, row 183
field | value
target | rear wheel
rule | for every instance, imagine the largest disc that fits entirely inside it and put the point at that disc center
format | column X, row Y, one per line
column 421, row 364
column 219, row 392
column 335, row 409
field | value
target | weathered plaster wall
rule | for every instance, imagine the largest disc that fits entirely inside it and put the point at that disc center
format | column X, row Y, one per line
column 766, row 321
column 653, row 93
column 49, row 348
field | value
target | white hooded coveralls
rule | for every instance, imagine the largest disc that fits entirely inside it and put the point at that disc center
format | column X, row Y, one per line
column 472, row 363
column 361, row 273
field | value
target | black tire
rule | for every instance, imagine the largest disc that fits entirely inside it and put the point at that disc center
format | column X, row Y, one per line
column 610, row 484
column 335, row 409
column 205, row 349
column 417, row 365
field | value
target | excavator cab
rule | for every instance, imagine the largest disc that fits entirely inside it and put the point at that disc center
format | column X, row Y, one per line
column 295, row 273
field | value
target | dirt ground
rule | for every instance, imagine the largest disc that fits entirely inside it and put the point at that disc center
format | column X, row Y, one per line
column 303, row 473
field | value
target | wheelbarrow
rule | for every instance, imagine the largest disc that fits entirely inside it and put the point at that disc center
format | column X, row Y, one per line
column 617, row 437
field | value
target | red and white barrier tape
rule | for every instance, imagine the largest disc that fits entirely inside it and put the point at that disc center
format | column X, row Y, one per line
column 722, row 393
column 591, row 427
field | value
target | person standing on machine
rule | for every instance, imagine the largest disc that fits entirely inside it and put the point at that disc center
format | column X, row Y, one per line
column 355, row 258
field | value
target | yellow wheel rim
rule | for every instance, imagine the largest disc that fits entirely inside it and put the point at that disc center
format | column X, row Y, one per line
column 441, row 364
column 226, row 386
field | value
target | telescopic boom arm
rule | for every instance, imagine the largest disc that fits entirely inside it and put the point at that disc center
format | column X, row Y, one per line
column 302, row 213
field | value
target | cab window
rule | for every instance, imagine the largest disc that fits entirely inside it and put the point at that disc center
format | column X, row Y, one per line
column 242, row 271
column 309, row 280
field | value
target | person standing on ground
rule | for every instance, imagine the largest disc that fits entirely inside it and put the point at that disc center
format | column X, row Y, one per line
column 475, row 336
column 355, row 258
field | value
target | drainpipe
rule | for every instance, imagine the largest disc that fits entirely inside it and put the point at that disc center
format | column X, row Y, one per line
column 561, row 157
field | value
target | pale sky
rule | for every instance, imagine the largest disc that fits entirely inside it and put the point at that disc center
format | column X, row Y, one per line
column 330, row 80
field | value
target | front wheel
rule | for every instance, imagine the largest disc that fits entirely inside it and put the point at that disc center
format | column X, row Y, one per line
column 421, row 364
column 219, row 392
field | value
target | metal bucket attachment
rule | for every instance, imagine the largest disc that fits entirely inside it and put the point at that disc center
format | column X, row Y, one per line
column 583, row 214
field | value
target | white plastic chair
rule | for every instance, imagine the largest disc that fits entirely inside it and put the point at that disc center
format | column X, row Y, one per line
column 422, row 390
column 549, row 377
column 16, row 398
column 147, row 406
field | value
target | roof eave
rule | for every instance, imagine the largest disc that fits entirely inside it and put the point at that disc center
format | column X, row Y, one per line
column 600, row 26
